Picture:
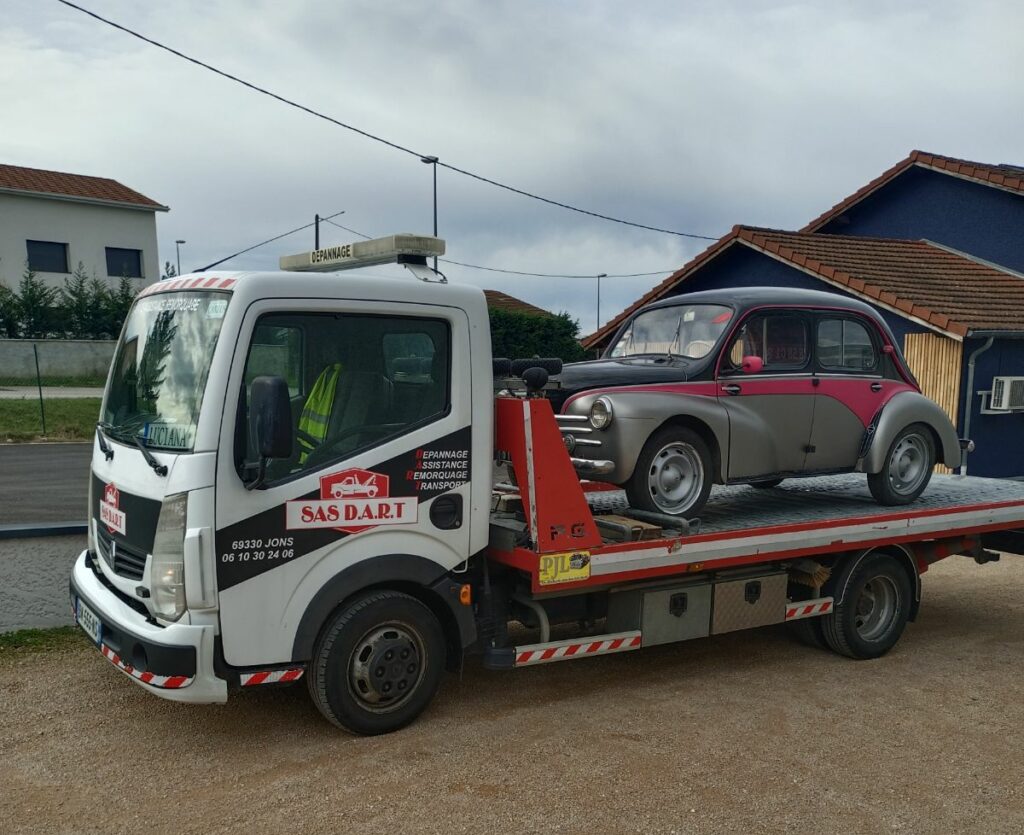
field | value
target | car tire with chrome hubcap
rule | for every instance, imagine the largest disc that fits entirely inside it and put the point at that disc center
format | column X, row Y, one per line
column 907, row 468
column 673, row 474
column 870, row 617
column 377, row 663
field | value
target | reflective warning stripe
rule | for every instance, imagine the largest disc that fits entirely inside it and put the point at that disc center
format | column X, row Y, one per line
column 270, row 677
column 165, row 682
column 809, row 608
column 575, row 648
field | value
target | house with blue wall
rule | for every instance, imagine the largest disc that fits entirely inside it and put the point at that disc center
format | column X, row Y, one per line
column 936, row 245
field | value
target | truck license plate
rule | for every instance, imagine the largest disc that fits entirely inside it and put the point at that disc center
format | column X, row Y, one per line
column 88, row 621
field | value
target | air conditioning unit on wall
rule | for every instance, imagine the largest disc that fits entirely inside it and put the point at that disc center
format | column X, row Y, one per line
column 1007, row 394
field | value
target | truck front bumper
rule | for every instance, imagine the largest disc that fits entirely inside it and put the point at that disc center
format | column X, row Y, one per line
column 174, row 662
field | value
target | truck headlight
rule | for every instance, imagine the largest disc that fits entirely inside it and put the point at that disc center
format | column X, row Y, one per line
column 601, row 413
column 167, row 569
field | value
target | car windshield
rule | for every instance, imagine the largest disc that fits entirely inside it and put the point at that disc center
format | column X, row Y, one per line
column 160, row 369
column 680, row 330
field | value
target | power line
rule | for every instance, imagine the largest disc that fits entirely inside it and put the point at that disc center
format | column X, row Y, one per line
column 374, row 137
column 262, row 243
column 517, row 272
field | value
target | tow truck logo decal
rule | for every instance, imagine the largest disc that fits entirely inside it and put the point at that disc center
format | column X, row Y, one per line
column 352, row 500
column 110, row 514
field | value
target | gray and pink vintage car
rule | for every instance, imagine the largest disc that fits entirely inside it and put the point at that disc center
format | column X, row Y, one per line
column 753, row 385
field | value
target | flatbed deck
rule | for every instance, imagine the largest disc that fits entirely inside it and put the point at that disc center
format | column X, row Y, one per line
column 743, row 525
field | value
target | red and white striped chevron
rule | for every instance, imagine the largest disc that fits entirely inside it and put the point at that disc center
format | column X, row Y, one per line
column 200, row 283
column 165, row 682
column 575, row 648
column 270, row 677
column 809, row 608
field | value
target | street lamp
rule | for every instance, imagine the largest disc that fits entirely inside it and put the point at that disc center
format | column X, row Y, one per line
column 599, row 277
column 433, row 161
column 177, row 249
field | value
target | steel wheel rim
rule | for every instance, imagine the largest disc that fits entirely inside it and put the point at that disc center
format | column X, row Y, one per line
column 908, row 464
column 386, row 667
column 877, row 607
column 676, row 477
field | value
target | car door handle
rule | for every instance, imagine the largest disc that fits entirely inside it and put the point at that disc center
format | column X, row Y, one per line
column 731, row 388
column 876, row 386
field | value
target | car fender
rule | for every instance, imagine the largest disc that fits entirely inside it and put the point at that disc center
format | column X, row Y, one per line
column 637, row 414
column 899, row 412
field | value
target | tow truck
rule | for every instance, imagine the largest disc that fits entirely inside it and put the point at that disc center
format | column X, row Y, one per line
column 245, row 548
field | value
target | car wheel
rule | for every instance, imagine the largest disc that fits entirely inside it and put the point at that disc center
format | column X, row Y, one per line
column 907, row 468
column 673, row 473
column 767, row 484
column 870, row 619
column 377, row 663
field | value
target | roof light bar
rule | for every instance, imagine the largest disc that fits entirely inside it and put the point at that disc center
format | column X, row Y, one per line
column 393, row 249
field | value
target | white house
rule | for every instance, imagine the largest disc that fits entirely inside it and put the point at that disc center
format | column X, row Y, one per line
column 51, row 221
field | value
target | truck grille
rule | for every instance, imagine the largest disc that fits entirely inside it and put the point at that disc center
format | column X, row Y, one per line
column 127, row 562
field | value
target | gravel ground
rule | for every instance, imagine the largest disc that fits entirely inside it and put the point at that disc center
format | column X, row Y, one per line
column 745, row 732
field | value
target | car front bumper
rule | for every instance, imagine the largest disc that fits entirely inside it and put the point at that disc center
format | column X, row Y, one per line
column 174, row 662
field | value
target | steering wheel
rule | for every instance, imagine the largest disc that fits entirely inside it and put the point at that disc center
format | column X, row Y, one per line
column 330, row 448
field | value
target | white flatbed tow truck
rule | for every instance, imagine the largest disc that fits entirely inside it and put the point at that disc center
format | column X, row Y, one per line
column 325, row 477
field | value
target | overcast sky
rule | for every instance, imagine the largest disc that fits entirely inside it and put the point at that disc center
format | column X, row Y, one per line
column 691, row 116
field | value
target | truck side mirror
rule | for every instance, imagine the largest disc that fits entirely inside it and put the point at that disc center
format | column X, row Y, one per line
column 752, row 365
column 271, row 417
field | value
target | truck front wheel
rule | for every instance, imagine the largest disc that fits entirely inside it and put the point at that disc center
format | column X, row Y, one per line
column 870, row 618
column 377, row 663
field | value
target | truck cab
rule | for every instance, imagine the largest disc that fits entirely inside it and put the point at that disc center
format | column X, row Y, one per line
column 195, row 529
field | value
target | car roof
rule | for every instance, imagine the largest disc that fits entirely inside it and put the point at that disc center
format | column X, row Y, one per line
column 744, row 298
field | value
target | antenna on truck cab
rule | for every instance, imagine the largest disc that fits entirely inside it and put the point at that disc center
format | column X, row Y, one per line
column 410, row 251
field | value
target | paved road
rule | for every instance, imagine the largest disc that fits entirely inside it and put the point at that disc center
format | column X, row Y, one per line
column 43, row 483
column 742, row 733
column 32, row 393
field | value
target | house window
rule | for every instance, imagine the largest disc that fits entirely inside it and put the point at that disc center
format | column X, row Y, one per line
column 47, row 257
column 124, row 262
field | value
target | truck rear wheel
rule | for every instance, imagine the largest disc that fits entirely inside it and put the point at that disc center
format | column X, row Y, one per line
column 377, row 663
column 870, row 618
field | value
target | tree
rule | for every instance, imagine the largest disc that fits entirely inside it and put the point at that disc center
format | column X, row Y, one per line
column 515, row 334
column 8, row 313
column 169, row 270
column 119, row 301
column 36, row 306
column 75, row 304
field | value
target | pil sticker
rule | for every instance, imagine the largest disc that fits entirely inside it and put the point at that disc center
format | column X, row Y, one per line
column 569, row 567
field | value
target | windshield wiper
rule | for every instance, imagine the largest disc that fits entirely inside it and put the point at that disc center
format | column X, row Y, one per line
column 105, row 448
column 675, row 339
column 158, row 468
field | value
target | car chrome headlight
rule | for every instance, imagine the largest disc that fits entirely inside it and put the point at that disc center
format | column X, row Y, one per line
column 601, row 413
column 167, row 569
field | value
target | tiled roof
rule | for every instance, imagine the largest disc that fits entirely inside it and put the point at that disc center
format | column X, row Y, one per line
column 948, row 290
column 503, row 301
column 75, row 186
column 1003, row 176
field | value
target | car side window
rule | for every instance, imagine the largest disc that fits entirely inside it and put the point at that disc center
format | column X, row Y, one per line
column 845, row 345
column 355, row 380
column 781, row 340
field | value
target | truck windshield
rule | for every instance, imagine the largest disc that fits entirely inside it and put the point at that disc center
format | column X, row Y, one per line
column 681, row 330
column 160, row 369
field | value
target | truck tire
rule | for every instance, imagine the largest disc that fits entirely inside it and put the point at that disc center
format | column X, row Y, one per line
column 673, row 473
column 870, row 618
column 377, row 663
column 808, row 632
column 907, row 468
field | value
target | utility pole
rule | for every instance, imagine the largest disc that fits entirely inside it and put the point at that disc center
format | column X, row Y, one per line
column 599, row 277
column 177, row 249
column 433, row 161
column 316, row 234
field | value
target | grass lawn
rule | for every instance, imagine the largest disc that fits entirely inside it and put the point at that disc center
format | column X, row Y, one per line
column 24, row 641
column 67, row 419
column 76, row 382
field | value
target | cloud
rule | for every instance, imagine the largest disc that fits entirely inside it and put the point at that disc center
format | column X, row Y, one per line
column 690, row 116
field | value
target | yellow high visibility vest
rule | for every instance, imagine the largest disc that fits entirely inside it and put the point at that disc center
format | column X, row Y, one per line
column 316, row 414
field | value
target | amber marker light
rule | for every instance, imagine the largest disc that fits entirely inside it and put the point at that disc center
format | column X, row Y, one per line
column 466, row 594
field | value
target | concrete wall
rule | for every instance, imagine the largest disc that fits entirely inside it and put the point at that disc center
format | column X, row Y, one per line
column 973, row 218
column 34, row 577
column 87, row 230
column 57, row 358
